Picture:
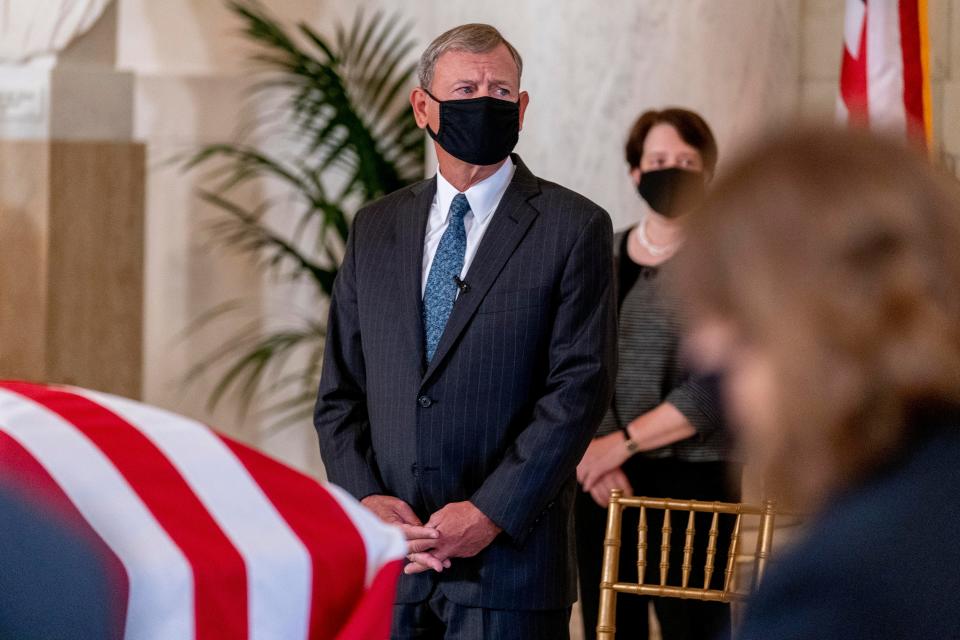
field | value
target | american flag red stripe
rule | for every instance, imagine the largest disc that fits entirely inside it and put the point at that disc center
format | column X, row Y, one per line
column 215, row 540
column 853, row 70
column 913, row 75
column 330, row 609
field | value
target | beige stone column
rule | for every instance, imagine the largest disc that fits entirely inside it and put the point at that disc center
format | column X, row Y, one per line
column 71, row 219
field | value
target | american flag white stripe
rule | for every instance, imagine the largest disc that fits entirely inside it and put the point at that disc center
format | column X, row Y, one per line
column 853, row 24
column 278, row 564
column 160, row 603
column 885, row 68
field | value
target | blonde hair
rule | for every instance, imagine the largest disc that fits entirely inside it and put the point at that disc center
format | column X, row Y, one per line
column 472, row 38
column 838, row 255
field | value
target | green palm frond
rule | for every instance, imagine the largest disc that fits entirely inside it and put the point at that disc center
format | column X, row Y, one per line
column 249, row 356
column 244, row 230
column 341, row 102
column 338, row 98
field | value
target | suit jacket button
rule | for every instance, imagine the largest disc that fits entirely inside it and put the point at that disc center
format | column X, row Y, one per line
column 424, row 401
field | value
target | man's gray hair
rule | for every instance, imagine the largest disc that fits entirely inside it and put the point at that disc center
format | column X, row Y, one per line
column 472, row 38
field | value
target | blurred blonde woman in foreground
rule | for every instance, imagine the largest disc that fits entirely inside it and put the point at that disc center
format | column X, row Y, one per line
column 823, row 280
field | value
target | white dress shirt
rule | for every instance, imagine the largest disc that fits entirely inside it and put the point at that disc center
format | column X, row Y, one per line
column 483, row 198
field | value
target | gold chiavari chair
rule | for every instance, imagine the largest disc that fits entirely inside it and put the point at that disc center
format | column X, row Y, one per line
column 611, row 585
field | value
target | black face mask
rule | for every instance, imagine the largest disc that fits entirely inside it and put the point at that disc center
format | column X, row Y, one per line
column 477, row 130
column 672, row 192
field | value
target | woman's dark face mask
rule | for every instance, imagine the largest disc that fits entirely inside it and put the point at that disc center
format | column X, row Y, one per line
column 480, row 131
column 672, row 192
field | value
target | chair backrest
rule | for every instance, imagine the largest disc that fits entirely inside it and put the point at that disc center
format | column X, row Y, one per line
column 611, row 583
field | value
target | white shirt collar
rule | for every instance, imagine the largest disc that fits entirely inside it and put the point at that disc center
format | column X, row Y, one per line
column 483, row 196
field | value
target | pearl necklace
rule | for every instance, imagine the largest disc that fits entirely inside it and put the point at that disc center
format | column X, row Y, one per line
column 657, row 251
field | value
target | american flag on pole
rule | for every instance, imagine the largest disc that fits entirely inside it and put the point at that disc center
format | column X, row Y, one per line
column 209, row 538
column 885, row 73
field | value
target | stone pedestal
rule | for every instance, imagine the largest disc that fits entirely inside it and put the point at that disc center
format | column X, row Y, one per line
column 71, row 219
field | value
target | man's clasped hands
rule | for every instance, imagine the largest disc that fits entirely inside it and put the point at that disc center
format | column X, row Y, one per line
column 458, row 530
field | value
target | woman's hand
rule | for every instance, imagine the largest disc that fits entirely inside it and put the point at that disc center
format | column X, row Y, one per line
column 615, row 479
column 657, row 428
column 604, row 454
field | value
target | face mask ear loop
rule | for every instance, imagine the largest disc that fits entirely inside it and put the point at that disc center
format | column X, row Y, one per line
column 433, row 134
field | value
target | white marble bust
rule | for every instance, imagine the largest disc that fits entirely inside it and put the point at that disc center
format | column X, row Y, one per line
column 31, row 28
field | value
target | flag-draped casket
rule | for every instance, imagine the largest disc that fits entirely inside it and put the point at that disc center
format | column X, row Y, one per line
column 206, row 538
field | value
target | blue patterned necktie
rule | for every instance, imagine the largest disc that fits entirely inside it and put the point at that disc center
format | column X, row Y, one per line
column 441, row 290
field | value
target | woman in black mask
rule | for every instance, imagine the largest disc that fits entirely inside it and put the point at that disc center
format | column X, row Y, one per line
column 663, row 434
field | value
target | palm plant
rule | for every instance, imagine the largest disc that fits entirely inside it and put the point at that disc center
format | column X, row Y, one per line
column 356, row 140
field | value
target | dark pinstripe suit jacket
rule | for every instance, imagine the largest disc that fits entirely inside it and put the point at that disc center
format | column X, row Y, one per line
column 500, row 417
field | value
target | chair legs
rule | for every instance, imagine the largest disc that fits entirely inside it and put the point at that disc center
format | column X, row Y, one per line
column 613, row 540
column 606, row 620
column 764, row 541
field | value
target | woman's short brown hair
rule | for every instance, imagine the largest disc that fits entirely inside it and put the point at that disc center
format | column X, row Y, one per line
column 838, row 255
column 693, row 130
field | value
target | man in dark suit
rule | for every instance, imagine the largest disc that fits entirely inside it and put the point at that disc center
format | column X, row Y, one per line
column 469, row 360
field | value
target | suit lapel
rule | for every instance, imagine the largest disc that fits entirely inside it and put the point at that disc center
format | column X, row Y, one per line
column 411, row 232
column 510, row 223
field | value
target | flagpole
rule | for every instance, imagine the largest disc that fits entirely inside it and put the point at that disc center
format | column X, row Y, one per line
column 922, row 13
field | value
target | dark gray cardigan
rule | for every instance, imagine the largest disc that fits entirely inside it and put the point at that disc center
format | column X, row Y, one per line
column 651, row 370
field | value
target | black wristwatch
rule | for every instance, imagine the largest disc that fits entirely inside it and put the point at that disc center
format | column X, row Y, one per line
column 629, row 442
